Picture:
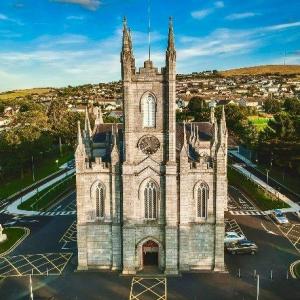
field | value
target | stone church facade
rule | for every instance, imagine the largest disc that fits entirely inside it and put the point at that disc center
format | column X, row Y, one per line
column 151, row 191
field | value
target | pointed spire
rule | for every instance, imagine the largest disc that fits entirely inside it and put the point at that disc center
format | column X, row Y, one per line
column 114, row 149
column 171, row 42
column 184, row 134
column 87, row 124
column 79, row 137
column 99, row 117
column 212, row 115
column 197, row 133
column 127, row 43
column 191, row 133
column 223, row 121
column 184, row 150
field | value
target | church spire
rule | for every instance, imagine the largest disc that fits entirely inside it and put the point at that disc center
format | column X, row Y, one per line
column 79, row 137
column 87, row 124
column 126, row 44
column 171, row 42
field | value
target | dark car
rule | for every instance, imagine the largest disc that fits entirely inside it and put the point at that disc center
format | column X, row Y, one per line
column 243, row 246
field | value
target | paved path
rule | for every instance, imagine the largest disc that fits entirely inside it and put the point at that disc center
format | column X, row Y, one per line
column 13, row 207
column 293, row 205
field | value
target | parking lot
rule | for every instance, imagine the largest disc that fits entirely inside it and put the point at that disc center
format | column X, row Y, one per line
column 34, row 264
column 69, row 238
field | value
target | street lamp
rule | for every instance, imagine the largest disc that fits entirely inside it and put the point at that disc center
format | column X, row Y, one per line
column 32, row 167
column 267, row 175
column 56, row 163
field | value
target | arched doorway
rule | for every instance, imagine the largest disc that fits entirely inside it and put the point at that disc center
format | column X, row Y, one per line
column 150, row 253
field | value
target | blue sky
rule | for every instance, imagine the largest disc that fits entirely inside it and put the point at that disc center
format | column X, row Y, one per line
column 72, row 42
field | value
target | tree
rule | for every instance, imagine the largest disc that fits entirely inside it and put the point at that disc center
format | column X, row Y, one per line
column 196, row 104
column 272, row 106
column 292, row 106
column 282, row 127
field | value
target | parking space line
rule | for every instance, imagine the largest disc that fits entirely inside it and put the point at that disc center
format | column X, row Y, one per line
column 23, row 265
column 137, row 283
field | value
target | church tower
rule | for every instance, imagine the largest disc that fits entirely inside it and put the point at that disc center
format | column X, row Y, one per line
column 149, row 157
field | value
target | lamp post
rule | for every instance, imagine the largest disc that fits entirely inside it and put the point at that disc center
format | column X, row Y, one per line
column 32, row 167
column 267, row 175
column 56, row 163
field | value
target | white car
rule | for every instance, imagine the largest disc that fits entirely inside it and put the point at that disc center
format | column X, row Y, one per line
column 232, row 236
column 279, row 217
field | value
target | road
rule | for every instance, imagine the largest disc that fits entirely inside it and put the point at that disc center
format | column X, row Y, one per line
column 276, row 253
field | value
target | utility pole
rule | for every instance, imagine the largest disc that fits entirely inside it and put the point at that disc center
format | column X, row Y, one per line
column 257, row 287
column 30, row 287
column 32, row 166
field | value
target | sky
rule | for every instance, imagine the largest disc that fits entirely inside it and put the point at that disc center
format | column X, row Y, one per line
column 55, row 43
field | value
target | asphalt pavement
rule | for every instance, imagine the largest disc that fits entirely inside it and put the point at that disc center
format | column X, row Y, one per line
column 275, row 254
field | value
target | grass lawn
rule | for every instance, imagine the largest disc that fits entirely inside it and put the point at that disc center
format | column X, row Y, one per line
column 259, row 122
column 297, row 270
column 290, row 181
column 42, row 170
column 49, row 196
column 13, row 236
column 264, row 200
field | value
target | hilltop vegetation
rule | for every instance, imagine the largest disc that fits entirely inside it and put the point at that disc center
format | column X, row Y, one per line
column 263, row 70
column 11, row 95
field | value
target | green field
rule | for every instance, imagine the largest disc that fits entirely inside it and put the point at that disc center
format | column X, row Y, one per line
column 262, row 199
column 259, row 122
column 297, row 270
column 23, row 93
column 49, row 196
column 13, row 236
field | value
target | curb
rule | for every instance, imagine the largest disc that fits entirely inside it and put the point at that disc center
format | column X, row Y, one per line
column 292, row 266
column 13, row 247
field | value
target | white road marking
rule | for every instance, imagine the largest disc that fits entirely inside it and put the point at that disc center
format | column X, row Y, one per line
column 269, row 231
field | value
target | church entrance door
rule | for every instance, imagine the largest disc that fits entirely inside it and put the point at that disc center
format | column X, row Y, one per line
column 150, row 253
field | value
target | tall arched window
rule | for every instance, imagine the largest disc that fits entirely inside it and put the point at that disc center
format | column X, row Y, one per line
column 148, row 111
column 100, row 201
column 202, row 197
column 150, row 198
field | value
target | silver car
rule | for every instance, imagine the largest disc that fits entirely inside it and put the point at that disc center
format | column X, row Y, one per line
column 279, row 217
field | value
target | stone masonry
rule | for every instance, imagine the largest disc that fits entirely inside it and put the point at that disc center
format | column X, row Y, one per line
column 150, row 181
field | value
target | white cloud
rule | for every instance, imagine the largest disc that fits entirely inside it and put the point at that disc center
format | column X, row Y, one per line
column 89, row 4
column 282, row 26
column 239, row 16
column 219, row 4
column 200, row 14
column 76, row 18
column 6, row 18
column 3, row 17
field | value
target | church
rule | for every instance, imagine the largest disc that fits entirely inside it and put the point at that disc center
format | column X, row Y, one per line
column 151, row 191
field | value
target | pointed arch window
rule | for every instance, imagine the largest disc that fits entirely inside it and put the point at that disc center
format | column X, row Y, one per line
column 150, row 198
column 148, row 111
column 202, row 197
column 99, row 201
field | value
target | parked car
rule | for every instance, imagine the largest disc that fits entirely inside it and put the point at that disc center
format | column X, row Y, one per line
column 279, row 217
column 243, row 246
column 232, row 236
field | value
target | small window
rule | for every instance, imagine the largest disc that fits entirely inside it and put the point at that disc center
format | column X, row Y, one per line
column 100, row 201
column 202, row 197
column 148, row 111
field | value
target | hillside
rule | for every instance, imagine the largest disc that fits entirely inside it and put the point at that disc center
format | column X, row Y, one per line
column 22, row 93
column 261, row 70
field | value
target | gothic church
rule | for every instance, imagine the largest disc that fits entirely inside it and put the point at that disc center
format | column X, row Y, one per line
column 151, row 191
